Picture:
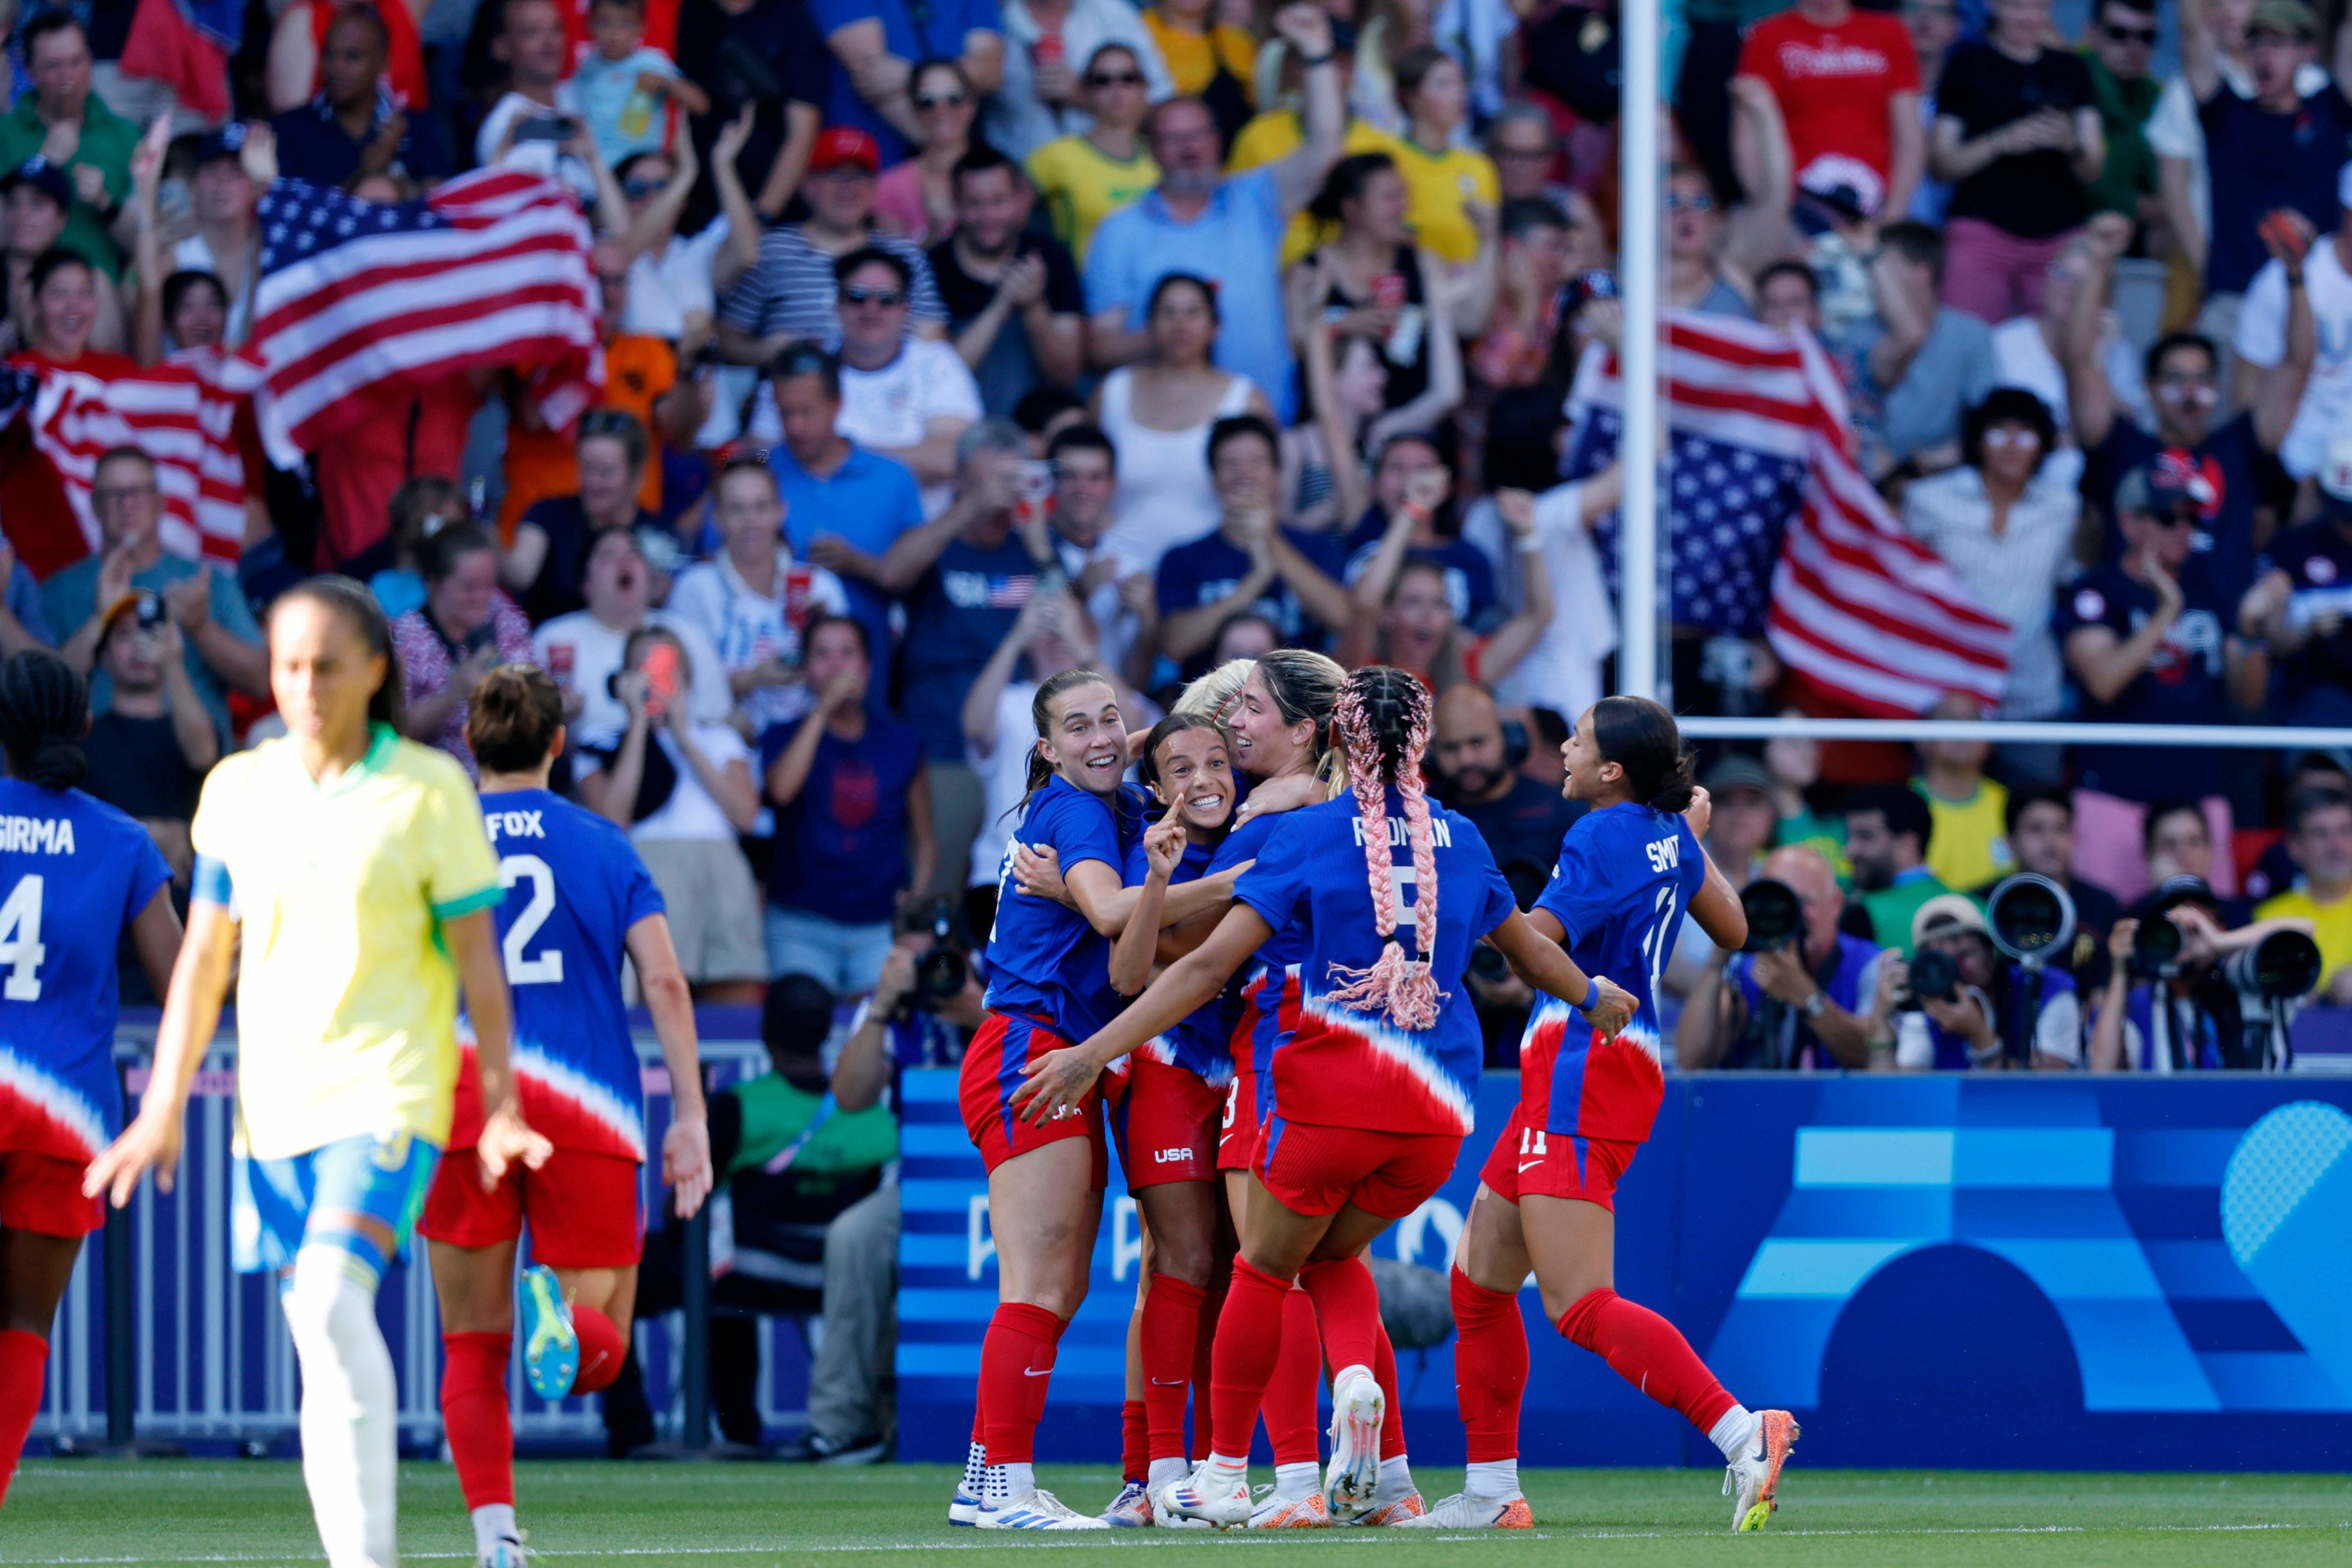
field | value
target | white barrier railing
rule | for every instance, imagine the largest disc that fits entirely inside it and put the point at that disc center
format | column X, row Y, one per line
column 2031, row 732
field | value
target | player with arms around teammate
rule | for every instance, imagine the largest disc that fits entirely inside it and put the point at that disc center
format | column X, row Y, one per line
column 1628, row 870
column 354, row 865
column 577, row 902
column 1372, row 1091
column 74, row 876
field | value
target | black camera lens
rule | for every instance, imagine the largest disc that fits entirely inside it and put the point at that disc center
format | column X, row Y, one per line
column 939, row 973
column 2029, row 916
column 2156, row 946
column 1775, row 915
column 1935, row 975
column 2281, row 965
column 1486, row 964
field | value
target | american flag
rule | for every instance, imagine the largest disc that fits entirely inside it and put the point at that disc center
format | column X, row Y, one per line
column 1770, row 525
column 491, row 270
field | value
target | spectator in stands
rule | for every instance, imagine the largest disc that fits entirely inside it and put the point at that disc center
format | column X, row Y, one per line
column 2005, row 520
column 1845, row 84
column 1405, row 611
column 64, row 122
column 150, row 750
column 1015, row 310
column 549, row 556
column 1159, row 412
column 1968, row 844
column 683, row 789
column 1453, row 189
column 1788, row 297
column 2299, row 605
column 1981, row 1024
column 532, row 45
column 465, row 628
column 1740, row 823
column 2017, row 135
column 917, row 198
column 876, row 44
column 1371, row 280
column 1476, row 773
column 1819, row 1003
column 764, row 57
column 1536, row 256
column 2176, row 840
column 624, row 86
column 751, row 599
column 1794, row 761
column 421, row 508
column 296, row 44
column 2319, row 839
column 1712, row 259
column 675, row 282
column 853, row 819
column 1916, row 365
column 1888, row 834
column 2191, row 1019
column 1050, row 65
column 2123, row 43
column 24, row 624
column 1208, row 58
column 1086, row 176
column 226, row 241
column 38, row 196
column 1412, row 484
column 1122, row 604
column 349, row 131
column 2040, row 824
column 581, row 652
column 1229, row 232
column 1252, row 563
column 221, row 645
column 2296, row 325
column 903, row 397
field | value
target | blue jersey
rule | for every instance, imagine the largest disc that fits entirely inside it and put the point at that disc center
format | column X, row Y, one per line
column 1341, row 1067
column 1269, row 981
column 1625, row 878
column 74, row 873
column 1202, row 1041
column 574, row 886
column 1046, row 959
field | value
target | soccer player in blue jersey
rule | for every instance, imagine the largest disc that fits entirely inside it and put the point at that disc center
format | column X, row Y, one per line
column 1628, row 871
column 578, row 901
column 1382, row 1010
column 75, row 874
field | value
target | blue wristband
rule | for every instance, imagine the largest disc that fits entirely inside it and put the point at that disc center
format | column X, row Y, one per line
column 1591, row 994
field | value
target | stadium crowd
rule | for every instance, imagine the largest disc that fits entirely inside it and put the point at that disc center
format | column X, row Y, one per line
column 949, row 346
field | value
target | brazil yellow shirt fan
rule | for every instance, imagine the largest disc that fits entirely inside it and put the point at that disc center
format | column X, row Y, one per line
column 347, row 1004
column 1083, row 186
column 1275, row 135
column 1438, row 188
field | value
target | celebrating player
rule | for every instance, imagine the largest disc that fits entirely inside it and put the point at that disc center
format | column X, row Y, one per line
column 577, row 901
column 1390, row 1025
column 77, row 874
column 355, row 865
column 1627, row 870
column 1049, row 983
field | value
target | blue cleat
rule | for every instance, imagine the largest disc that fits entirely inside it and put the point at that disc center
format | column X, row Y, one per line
column 551, row 1350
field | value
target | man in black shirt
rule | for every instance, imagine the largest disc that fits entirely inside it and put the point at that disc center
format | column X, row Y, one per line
column 1520, row 819
column 151, row 749
column 351, row 129
column 1015, row 308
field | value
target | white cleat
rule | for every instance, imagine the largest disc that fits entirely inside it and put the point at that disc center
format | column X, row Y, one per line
column 1198, row 1497
column 1753, row 1479
column 1353, row 1480
column 1464, row 1511
column 1164, row 1520
column 1131, row 1509
column 1275, row 1511
column 507, row 1554
column 1036, row 1508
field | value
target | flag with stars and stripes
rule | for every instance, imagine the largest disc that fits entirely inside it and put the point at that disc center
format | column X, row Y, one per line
column 1768, row 527
column 357, row 298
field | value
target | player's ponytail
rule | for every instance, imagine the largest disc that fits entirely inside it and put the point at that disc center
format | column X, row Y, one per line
column 1307, row 685
column 1641, row 737
column 512, row 718
column 349, row 598
column 1382, row 717
column 43, row 713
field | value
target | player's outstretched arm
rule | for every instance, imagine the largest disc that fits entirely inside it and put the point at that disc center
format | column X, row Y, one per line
column 1545, row 964
column 472, row 942
column 199, row 982
column 686, row 1147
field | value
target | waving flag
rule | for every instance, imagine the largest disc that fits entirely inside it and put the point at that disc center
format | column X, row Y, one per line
column 356, row 299
column 186, row 44
column 1769, row 526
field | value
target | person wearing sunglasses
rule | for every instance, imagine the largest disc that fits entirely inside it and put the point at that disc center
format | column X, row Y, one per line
column 2121, row 39
column 1051, row 73
column 915, row 198
column 902, row 396
column 1086, row 176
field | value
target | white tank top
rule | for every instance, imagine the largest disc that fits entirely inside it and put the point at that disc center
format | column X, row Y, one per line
column 1164, row 498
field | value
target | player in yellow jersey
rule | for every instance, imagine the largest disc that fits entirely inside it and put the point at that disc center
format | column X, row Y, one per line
column 355, row 867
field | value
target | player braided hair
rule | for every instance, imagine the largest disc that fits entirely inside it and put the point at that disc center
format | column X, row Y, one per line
column 1641, row 737
column 1041, row 713
column 349, row 598
column 1307, row 685
column 1382, row 717
column 43, row 713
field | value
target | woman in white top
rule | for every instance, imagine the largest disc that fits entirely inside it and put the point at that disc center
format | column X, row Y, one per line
column 1158, row 413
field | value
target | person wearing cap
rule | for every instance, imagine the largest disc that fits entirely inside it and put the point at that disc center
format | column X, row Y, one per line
column 2300, row 605
column 37, row 201
column 2189, row 1017
column 66, row 123
column 1981, row 1025
column 150, row 750
column 351, row 128
column 1845, row 84
column 1814, row 1004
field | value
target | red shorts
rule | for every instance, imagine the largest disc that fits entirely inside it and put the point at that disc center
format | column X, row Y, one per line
column 992, row 1071
column 1556, row 1164
column 1238, row 1132
column 1167, row 1125
column 1321, row 1170
column 585, row 1208
column 42, row 1194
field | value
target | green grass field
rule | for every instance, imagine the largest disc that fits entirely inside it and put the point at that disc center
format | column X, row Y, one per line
column 732, row 1516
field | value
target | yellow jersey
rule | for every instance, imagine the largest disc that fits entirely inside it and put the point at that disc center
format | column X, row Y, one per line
column 1437, row 185
column 1969, row 845
column 1275, row 135
column 1193, row 58
column 2331, row 924
column 347, row 1005
column 1083, row 186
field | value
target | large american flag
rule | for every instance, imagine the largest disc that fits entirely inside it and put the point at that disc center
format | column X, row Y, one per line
column 1769, row 526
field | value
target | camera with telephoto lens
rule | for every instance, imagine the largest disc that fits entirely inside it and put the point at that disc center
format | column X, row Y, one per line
column 2155, row 948
column 2282, row 967
column 939, row 973
column 1775, row 915
column 1935, row 978
column 2030, row 917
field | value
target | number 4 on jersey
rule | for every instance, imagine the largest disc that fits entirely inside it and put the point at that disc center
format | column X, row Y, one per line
column 20, row 941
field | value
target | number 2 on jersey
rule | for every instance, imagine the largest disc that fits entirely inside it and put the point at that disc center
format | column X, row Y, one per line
column 521, row 970
column 20, row 941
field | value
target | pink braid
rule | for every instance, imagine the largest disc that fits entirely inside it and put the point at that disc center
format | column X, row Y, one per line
column 1402, row 988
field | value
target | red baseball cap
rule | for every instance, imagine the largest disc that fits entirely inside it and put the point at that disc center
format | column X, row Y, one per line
column 839, row 144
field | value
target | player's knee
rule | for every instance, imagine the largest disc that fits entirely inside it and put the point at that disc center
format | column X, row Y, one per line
column 1184, row 1257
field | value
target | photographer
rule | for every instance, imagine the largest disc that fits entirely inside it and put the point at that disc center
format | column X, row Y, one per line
column 1971, row 1000
column 2170, row 1003
column 1812, row 1003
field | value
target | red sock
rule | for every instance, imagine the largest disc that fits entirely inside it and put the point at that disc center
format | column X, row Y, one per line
column 602, row 1351
column 474, row 1416
column 1391, row 1407
column 1348, row 1308
column 1204, row 1345
column 1649, row 1352
column 1016, row 1363
column 1171, row 1323
column 1490, row 1368
column 24, row 1365
column 1289, row 1403
column 1249, row 1342
column 1134, row 1442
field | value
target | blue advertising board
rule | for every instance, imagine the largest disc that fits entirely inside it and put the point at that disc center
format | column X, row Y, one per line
column 1996, row 1271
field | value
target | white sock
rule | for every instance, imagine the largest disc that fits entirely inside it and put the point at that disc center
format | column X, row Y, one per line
column 1396, row 1477
column 1019, row 1482
column 1492, row 1477
column 1734, row 1432
column 350, row 1419
column 975, row 1462
column 494, row 1522
column 1162, row 1471
column 1292, row 1482
column 1228, row 1471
